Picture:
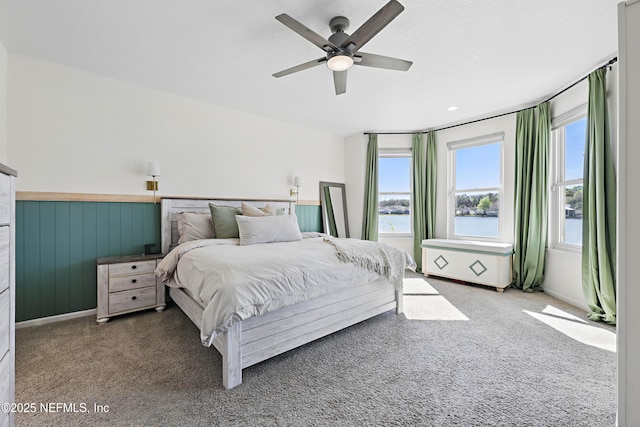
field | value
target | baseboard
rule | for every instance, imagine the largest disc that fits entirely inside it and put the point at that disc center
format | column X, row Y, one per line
column 54, row 319
column 578, row 304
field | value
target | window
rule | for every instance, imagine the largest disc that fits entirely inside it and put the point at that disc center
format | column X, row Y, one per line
column 394, row 192
column 568, row 139
column 475, row 187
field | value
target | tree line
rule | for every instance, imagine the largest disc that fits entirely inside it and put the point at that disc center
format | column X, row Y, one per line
column 489, row 201
column 394, row 202
column 479, row 203
column 573, row 197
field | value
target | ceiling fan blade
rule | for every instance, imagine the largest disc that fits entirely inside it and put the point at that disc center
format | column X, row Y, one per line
column 340, row 81
column 300, row 67
column 379, row 61
column 306, row 32
column 373, row 26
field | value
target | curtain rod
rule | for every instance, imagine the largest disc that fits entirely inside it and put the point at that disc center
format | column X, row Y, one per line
column 608, row 64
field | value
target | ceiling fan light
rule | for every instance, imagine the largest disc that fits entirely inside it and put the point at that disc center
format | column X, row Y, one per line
column 340, row 62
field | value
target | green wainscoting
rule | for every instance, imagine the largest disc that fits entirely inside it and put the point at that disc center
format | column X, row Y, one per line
column 57, row 244
column 309, row 218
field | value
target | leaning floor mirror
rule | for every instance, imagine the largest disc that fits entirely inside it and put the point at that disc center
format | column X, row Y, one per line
column 333, row 204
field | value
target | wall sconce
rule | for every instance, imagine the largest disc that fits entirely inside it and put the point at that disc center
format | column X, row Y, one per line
column 153, row 170
column 295, row 191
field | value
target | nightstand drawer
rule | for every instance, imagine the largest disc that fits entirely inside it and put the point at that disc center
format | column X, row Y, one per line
column 132, row 300
column 136, row 281
column 126, row 268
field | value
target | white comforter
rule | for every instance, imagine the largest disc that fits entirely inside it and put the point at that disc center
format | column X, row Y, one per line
column 234, row 282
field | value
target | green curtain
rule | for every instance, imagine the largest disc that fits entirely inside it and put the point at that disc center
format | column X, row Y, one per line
column 424, row 191
column 370, row 211
column 432, row 172
column 419, row 153
column 599, row 207
column 531, row 196
column 331, row 219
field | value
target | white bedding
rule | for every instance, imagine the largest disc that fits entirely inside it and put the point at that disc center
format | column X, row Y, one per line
column 234, row 282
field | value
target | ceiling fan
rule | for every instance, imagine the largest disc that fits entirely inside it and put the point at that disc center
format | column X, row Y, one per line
column 343, row 50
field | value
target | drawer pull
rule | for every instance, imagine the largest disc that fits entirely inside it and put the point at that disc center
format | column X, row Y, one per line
column 134, row 280
column 134, row 297
column 133, row 267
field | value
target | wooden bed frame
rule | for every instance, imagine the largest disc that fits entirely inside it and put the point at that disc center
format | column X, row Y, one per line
column 259, row 338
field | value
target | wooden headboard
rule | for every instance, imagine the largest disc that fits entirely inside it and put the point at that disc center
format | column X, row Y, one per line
column 172, row 206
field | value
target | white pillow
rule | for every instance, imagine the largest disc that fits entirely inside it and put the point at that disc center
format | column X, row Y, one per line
column 194, row 226
column 268, row 229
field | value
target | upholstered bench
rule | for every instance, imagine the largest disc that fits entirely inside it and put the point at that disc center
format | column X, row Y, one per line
column 483, row 263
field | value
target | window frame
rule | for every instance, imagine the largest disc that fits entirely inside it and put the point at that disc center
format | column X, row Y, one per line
column 452, row 147
column 397, row 153
column 557, row 214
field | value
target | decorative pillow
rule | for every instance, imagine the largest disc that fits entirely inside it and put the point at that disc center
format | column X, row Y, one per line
column 268, row 229
column 250, row 210
column 194, row 226
column 224, row 222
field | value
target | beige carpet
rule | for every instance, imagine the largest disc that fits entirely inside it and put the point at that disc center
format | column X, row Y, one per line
column 460, row 356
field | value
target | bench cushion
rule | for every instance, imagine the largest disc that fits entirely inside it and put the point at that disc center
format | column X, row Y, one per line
column 499, row 249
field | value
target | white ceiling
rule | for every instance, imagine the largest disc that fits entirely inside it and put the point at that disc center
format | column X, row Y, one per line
column 484, row 57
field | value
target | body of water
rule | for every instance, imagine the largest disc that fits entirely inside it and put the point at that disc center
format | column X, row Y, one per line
column 465, row 225
column 478, row 226
column 573, row 231
column 394, row 224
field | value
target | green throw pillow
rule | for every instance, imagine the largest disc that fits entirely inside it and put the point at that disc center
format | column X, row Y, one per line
column 224, row 221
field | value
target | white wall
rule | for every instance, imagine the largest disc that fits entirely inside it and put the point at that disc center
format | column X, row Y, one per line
column 73, row 131
column 3, row 104
column 355, row 155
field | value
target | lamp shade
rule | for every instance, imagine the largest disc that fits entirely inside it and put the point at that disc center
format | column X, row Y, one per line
column 296, row 181
column 339, row 63
column 153, row 169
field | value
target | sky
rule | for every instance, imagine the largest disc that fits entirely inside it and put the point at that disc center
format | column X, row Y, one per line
column 479, row 167
column 574, row 138
column 394, row 174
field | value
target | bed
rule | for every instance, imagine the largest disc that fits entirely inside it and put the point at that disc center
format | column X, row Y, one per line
column 247, row 341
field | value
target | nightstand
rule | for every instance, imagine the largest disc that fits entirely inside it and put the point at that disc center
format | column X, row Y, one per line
column 127, row 284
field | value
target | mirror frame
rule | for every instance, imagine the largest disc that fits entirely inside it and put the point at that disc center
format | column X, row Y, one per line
column 323, row 206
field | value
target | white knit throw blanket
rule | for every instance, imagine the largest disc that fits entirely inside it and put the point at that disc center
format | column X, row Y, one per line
column 379, row 257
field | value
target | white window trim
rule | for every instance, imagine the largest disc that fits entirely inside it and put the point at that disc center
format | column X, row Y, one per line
column 398, row 153
column 567, row 117
column 494, row 138
column 557, row 161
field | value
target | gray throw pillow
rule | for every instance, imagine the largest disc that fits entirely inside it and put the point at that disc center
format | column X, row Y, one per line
column 224, row 221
